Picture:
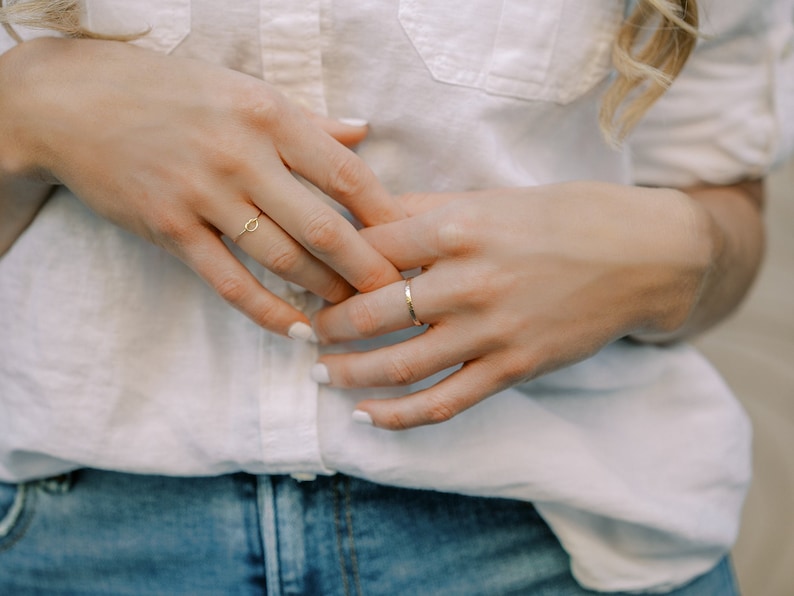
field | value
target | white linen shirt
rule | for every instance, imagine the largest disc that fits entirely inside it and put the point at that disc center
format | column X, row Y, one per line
column 115, row 355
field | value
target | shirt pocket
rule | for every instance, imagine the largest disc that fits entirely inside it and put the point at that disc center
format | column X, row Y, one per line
column 167, row 21
column 548, row 50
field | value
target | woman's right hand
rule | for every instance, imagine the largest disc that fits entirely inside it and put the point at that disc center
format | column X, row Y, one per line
column 181, row 153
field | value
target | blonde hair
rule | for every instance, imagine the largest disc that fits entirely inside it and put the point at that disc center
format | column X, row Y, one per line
column 649, row 52
column 62, row 16
column 650, row 49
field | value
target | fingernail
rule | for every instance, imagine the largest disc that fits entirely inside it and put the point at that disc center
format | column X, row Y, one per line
column 319, row 374
column 362, row 417
column 354, row 121
column 303, row 332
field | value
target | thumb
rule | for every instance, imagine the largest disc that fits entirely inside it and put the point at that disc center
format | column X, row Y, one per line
column 348, row 131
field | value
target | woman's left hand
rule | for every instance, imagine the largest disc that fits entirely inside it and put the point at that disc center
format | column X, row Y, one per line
column 515, row 283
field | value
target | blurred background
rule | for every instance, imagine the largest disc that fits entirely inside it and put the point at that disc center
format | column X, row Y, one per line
column 755, row 352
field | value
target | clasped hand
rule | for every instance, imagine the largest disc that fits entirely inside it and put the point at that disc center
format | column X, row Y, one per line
column 514, row 283
column 183, row 153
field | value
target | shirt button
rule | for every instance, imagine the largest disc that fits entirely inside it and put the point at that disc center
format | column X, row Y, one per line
column 304, row 476
column 296, row 288
column 297, row 297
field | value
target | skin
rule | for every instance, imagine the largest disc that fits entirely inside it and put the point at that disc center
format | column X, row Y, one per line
column 515, row 282
column 189, row 153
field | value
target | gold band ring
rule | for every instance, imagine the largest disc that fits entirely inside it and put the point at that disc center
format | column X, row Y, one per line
column 410, row 302
column 250, row 226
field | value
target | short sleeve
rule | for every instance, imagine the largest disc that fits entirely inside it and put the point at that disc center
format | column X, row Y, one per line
column 6, row 41
column 730, row 114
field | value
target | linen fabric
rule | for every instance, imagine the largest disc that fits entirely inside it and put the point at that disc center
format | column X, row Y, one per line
column 116, row 356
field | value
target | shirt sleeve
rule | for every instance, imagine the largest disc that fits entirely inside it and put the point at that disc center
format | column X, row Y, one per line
column 730, row 114
column 6, row 41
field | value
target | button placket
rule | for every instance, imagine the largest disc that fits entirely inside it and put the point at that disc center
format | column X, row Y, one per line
column 290, row 38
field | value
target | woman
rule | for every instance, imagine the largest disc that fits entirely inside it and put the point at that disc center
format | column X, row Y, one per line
column 155, row 440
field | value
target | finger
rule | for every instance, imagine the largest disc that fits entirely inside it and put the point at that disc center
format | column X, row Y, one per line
column 415, row 203
column 322, row 231
column 273, row 248
column 461, row 390
column 421, row 240
column 407, row 362
column 211, row 259
column 348, row 131
column 379, row 312
column 335, row 170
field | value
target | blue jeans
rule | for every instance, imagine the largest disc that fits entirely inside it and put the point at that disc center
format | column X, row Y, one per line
column 93, row 532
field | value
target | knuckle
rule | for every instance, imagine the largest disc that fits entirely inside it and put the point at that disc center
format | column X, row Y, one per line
column 516, row 370
column 523, row 366
column 172, row 229
column 439, row 409
column 223, row 159
column 347, row 176
column 400, row 371
column 321, row 232
column 231, row 288
column 344, row 378
column 336, row 290
column 365, row 323
column 264, row 315
column 476, row 290
column 456, row 236
column 372, row 280
column 167, row 225
column 282, row 258
column 258, row 104
column 395, row 421
column 482, row 292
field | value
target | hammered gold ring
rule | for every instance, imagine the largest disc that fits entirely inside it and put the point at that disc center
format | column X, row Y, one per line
column 250, row 226
column 410, row 302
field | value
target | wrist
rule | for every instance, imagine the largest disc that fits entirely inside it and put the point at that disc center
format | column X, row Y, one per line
column 688, row 258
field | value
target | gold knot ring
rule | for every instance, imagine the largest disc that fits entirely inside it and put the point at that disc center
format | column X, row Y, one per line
column 410, row 302
column 250, row 226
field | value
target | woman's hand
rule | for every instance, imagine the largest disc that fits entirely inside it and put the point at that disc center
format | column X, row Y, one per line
column 516, row 283
column 182, row 152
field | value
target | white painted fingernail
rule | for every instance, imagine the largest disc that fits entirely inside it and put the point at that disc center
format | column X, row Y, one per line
column 302, row 331
column 354, row 121
column 362, row 417
column 319, row 374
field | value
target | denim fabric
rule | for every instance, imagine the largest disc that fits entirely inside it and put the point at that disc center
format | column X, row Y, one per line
column 94, row 532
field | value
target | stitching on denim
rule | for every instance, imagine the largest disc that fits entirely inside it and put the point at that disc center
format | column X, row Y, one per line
column 339, row 538
column 255, row 509
column 14, row 512
column 351, row 541
column 25, row 513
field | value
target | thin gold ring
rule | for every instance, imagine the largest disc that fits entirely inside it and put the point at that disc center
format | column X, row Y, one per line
column 250, row 226
column 410, row 302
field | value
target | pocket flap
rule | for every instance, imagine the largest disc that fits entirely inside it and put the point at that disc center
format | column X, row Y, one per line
column 168, row 21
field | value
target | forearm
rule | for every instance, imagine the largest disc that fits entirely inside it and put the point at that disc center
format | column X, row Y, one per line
column 22, row 192
column 736, row 239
